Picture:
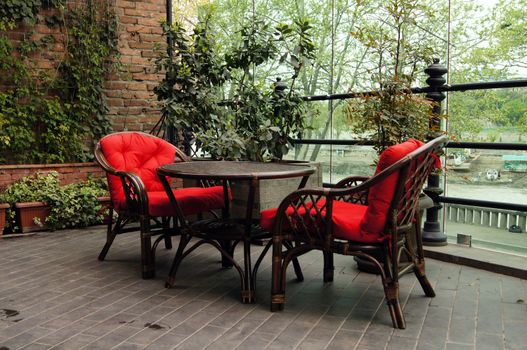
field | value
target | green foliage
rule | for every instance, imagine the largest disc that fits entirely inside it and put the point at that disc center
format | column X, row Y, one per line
column 73, row 205
column 256, row 121
column 92, row 45
column 393, row 115
column 14, row 11
column 390, row 117
column 48, row 118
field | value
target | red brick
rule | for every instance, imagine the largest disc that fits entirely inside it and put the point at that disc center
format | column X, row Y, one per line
column 125, row 4
column 138, row 29
column 45, row 64
column 154, row 22
column 150, row 54
column 147, row 77
column 126, row 51
column 151, row 7
column 116, row 85
column 128, row 19
column 140, row 60
column 115, row 102
column 137, row 13
column 139, row 103
column 137, row 86
column 156, row 30
column 139, row 45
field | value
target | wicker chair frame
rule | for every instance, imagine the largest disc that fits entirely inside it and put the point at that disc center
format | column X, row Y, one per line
column 137, row 211
column 307, row 227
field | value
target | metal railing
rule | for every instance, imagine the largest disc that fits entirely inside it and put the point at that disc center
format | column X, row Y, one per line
column 432, row 233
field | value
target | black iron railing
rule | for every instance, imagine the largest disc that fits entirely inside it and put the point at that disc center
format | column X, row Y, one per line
column 432, row 233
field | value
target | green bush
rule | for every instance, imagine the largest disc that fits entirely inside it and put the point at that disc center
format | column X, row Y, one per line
column 51, row 116
column 73, row 205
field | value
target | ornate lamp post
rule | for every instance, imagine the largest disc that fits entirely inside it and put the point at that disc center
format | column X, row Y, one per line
column 432, row 232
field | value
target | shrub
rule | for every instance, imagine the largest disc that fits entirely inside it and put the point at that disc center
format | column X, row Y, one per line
column 73, row 205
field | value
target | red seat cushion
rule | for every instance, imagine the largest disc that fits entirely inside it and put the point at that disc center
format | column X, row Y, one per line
column 192, row 200
column 380, row 196
column 346, row 221
column 142, row 154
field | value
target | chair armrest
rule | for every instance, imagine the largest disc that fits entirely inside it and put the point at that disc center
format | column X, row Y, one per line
column 296, row 211
column 134, row 191
column 360, row 197
column 351, row 181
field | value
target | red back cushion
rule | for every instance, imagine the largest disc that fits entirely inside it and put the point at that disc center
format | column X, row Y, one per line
column 137, row 153
column 380, row 196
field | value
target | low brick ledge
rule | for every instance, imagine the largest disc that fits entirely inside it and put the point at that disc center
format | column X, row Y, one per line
column 68, row 172
column 48, row 166
column 483, row 259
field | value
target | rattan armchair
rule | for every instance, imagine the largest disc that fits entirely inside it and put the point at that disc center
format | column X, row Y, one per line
column 130, row 160
column 371, row 218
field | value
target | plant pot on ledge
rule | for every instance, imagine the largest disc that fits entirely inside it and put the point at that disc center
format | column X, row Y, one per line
column 269, row 193
column 3, row 209
column 32, row 216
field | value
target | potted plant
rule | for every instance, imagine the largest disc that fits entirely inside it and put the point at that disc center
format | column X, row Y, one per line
column 27, row 198
column 3, row 210
column 222, row 103
column 39, row 202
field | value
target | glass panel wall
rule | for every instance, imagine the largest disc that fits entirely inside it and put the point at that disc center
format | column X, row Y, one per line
column 487, row 45
column 365, row 45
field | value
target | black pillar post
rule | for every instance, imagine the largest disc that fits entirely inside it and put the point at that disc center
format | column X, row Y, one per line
column 170, row 131
column 279, row 91
column 432, row 232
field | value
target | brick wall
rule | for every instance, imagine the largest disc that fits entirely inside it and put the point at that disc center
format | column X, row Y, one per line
column 133, row 105
column 130, row 96
column 68, row 172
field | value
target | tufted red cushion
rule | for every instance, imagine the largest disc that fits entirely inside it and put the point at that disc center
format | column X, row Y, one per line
column 380, row 195
column 142, row 155
column 136, row 153
column 192, row 200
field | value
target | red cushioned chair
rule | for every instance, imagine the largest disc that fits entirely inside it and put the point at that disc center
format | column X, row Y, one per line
column 130, row 160
column 371, row 218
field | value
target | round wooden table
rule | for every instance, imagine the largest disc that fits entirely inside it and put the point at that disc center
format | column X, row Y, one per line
column 224, row 234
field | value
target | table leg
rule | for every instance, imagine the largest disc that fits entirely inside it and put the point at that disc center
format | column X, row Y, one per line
column 248, row 292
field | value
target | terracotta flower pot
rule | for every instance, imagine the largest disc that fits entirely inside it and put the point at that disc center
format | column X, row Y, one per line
column 32, row 216
column 3, row 209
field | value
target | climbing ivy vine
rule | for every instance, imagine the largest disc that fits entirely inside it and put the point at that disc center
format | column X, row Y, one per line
column 50, row 116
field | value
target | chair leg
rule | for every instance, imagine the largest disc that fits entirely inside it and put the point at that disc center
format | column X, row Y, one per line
column 227, row 245
column 419, row 263
column 147, row 256
column 166, row 233
column 419, row 270
column 183, row 241
column 296, row 264
column 329, row 266
column 111, row 232
column 278, row 277
column 391, row 291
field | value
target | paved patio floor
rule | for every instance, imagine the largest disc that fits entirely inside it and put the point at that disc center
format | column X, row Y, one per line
column 55, row 294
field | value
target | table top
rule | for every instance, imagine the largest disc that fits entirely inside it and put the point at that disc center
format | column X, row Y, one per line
column 228, row 170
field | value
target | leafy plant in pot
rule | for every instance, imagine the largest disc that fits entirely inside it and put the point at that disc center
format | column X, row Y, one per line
column 39, row 202
column 222, row 101
column 393, row 114
column 217, row 98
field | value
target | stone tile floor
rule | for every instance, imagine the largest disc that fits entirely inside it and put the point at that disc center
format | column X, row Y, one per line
column 55, row 294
